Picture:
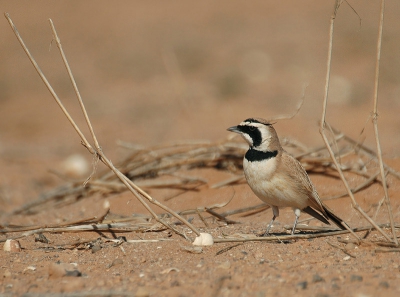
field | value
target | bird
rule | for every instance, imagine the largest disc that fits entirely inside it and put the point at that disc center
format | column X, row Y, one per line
column 276, row 177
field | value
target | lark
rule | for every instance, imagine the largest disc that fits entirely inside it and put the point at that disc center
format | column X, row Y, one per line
column 276, row 177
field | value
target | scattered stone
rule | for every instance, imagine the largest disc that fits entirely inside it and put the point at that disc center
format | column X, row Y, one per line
column 175, row 283
column 168, row 270
column 74, row 273
column 29, row 269
column 116, row 262
column 302, row 285
column 7, row 274
column 225, row 265
column 57, row 270
column 12, row 246
column 193, row 249
column 96, row 248
column 317, row 278
column 356, row 278
column 347, row 258
column 335, row 286
column 384, row 284
column 350, row 246
column 41, row 238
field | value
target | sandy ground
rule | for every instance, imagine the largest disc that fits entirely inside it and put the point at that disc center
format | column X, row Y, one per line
column 160, row 72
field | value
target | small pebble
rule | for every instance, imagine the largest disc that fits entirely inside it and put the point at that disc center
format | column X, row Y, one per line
column 204, row 239
column 29, row 269
column 175, row 284
column 317, row 278
column 168, row 270
column 384, row 284
column 193, row 249
column 96, row 248
column 7, row 274
column 116, row 262
column 335, row 286
column 346, row 258
column 12, row 245
column 41, row 238
column 225, row 265
column 57, row 270
column 350, row 246
column 356, row 278
column 302, row 285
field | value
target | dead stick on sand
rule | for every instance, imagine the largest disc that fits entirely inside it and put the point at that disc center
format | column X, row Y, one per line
column 274, row 238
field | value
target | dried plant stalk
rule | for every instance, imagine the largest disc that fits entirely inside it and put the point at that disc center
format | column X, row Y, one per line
column 375, row 122
column 323, row 124
column 97, row 151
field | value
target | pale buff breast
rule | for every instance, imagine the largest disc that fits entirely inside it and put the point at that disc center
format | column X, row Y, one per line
column 272, row 187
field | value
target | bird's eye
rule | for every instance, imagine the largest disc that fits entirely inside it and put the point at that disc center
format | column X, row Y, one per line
column 252, row 128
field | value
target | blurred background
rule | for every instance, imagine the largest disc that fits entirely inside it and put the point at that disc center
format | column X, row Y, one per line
column 162, row 71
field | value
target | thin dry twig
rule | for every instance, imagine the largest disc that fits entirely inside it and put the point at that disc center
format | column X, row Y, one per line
column 323, row 125
column 280, row 238
column 387, row 250
column 341, row 248
column 138, row 192
column 375, row 121
column 227, row 249
column 290, row 116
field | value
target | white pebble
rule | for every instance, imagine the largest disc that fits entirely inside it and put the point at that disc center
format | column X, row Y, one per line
column 75, row 166
column 204, row 239
column 12, row 245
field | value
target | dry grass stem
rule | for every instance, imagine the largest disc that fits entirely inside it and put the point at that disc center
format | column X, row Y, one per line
column 323, row 124
column 375, row 120
column 254, row 209
column 46, row 82
column 279, row 238
column 387, row 250
column 341, row 248
column 138, row 192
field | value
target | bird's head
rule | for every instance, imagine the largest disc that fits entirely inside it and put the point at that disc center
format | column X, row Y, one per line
column 258, row 133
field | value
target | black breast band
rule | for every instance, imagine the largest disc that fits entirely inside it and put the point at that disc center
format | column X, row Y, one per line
column 253, row 155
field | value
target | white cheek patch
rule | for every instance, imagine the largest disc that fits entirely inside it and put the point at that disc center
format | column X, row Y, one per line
column 266, row 138
column 248, row 139
column 266, row 135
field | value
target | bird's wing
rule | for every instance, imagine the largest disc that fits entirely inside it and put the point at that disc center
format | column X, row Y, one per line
column 298, row 173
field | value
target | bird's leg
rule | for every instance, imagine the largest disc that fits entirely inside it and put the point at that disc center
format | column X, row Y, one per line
column 269, row 226
column 297, row 213
column 275, row 211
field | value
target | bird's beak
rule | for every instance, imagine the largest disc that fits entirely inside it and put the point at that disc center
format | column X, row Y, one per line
column 234, row 129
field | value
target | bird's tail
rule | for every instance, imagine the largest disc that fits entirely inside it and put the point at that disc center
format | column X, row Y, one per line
column 327, row 216
column 334, row 218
